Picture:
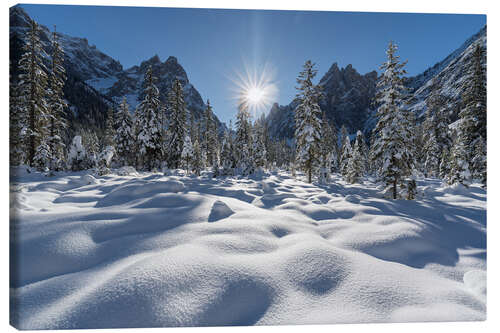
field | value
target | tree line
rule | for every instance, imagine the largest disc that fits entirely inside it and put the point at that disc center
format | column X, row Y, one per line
column 158, row 136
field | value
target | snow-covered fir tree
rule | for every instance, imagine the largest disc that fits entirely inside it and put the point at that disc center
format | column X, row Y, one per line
column 148, row 124
column 258, row 148
column 104, row 160
column 77, row 155
column 92, row 148
column 356, row 166
column 243, row 140
column 177, row 125
column 328, row 150
column 227, row 159
column 345, row 156
column 56, row 106
column 459, row 166
column 43, row 156
column 187, row 152
column 33, row 90
column 17, row 118
column 393, row 142
column 210, row 135
column 109, row 132
column 340, row 145
column 432, row 155
column 307, row 121
column 478, row 163
column 124, row 136
column 197, row 158
column 472, row 117
column 444, row 164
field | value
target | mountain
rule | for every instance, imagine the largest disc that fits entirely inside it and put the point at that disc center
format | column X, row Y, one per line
column 346, row 101
column 348, row 95
column 96, row 80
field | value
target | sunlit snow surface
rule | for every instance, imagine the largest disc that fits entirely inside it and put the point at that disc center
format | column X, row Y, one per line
column 152, row 250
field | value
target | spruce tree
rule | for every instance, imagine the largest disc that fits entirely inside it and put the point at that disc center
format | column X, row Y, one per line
column 459, row 166
column 109, row 133
column 17, row 123
column 327, row 149
column 479, row 161
column 393, row 143
column 345, row 156
column 33, row 90
column 187, row 152
column 177, row 128
column 259, row 148
column 243, row 140
column 355, row 165
column 343, row 135
column 56, row 106
column 210, row 135
column 432, row 156
column 472, row 124
column 444, row 164
column 77, row 155
column 197, row 159
column 124, row 136
column 307, row 121
column 148, row 124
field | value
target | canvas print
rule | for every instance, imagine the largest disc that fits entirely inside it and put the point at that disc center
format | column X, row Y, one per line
column 217, row 167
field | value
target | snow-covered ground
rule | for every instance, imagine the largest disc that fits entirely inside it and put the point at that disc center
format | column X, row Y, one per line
column 146, row 250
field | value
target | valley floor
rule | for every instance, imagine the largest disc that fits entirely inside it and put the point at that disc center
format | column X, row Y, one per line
column 146, row 250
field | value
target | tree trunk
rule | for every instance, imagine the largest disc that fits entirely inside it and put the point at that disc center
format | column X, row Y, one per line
column 394, row 188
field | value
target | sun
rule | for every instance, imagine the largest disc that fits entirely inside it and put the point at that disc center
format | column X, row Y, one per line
column 255, row 89
column 255, row 95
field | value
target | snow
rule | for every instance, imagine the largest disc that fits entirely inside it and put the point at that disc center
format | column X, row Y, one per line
column 147, row 249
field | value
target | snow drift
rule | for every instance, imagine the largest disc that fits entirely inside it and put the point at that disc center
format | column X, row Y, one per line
column 148, row 250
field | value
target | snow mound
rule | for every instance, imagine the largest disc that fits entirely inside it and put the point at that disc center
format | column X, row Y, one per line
column 219, row 211
column 125, row 251
column 475, row 280
column 127, row 171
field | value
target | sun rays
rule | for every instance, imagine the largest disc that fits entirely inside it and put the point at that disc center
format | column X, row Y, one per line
column 255, row 89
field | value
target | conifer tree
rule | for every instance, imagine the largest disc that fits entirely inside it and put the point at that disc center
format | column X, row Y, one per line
column 110, row 133
column 307, row 121
column 243, row 140
column 474, row 99
column 432, row 155
column 33, row 90
column 444, row 164
column 187, row 152
column 124, row 137
column 355, row 166
column 345, row 156
column 459, row 167
column 227, row 154
column 197, row 159
column 393, row 143
column 210, row 135
column 327, row 149
column 148, row 124
column 177, row 126
column 77, row 156
column 17, row 120
column 343, row 135
column 472, row 124
column 56, row 106
column 479, row 161
column 258, row 148
column 43, row 156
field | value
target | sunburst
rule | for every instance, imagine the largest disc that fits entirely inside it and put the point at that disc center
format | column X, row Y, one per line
column 255, row 89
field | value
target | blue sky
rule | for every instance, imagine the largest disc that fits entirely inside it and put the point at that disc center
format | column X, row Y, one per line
column 214, row 45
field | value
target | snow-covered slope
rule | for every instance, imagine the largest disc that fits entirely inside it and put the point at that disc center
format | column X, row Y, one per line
column 153, row 250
